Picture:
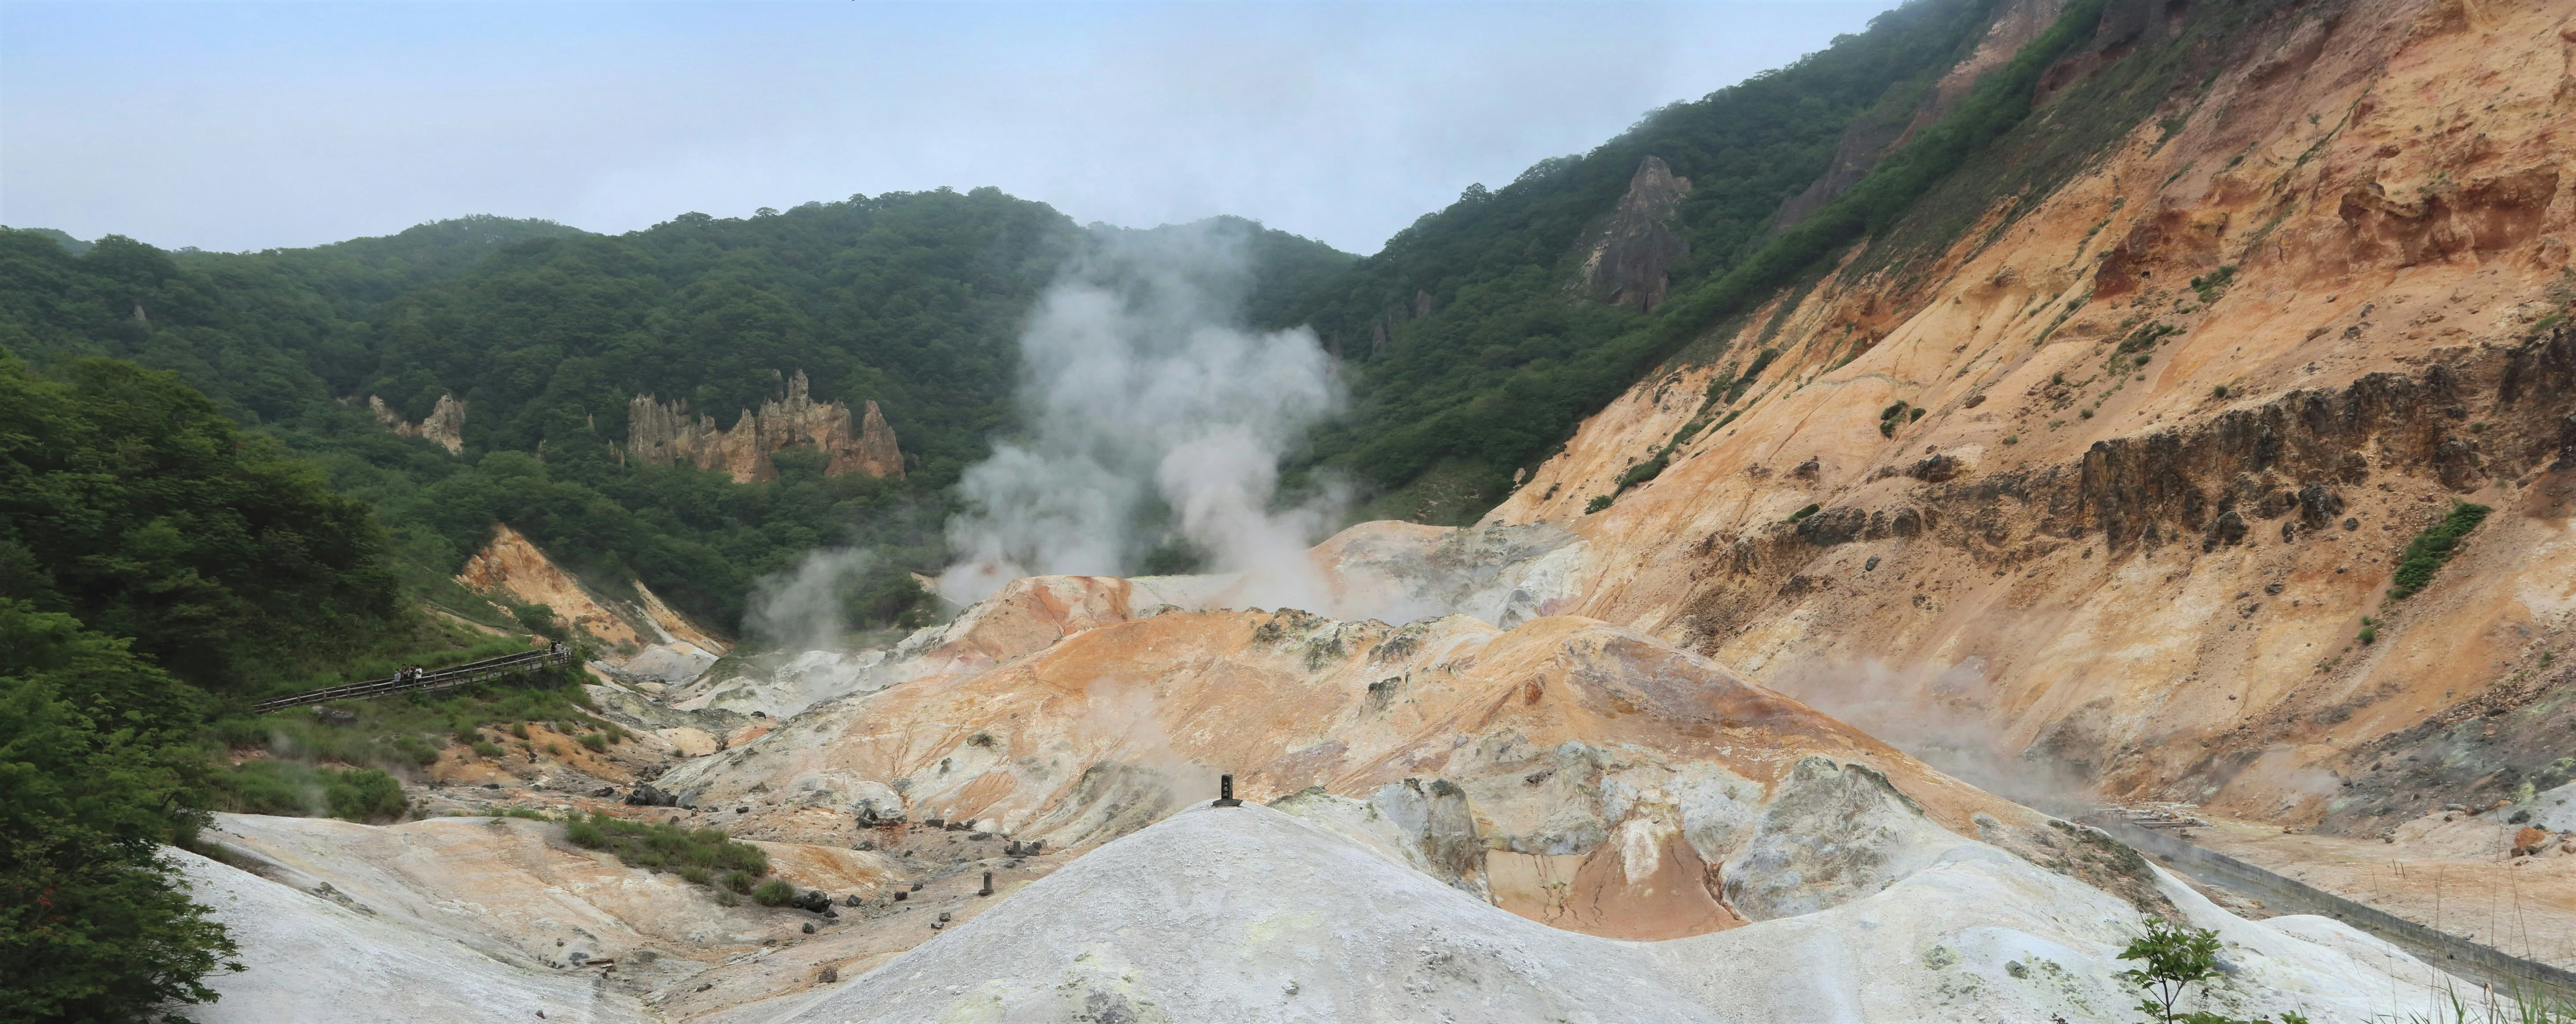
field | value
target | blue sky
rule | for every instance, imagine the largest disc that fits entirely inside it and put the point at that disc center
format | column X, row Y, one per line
column 244, row 126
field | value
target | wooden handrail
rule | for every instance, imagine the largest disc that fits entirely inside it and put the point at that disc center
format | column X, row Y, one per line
column 444, row 679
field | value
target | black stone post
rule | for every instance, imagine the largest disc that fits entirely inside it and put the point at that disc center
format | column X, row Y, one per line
column 1225, row 792
column 988, row 884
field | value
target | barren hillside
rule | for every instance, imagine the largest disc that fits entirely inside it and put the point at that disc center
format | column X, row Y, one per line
column 2110, row 494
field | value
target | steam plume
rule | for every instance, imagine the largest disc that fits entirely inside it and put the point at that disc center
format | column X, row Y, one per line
column 1144, row 393
column 800, row 610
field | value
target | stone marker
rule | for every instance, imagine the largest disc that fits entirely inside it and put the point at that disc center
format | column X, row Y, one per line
column 988, row 885
column 1225, row 792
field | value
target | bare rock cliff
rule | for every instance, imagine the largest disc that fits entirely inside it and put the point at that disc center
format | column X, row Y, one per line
column 444, row 426
column 1629, row 255
column 659, row 434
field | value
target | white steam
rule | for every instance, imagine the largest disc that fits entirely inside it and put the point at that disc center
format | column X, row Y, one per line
column 1943, row 717
column 1141, row 389
column 800, row 610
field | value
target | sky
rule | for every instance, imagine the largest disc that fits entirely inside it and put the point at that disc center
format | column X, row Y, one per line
column 232, row 126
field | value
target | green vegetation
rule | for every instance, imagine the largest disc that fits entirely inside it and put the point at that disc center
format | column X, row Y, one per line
column 774, row 893
column 128, row 501
column 97, row 761
column 2175, row 959
column 2214, row 284
column 1502, row 366
column 297, row 789
column 1644, row 471
column 2431, row 549
column 160, row 567
column 911, row 300
column 1803, row 513
column 693, row 854
column 1598, row 502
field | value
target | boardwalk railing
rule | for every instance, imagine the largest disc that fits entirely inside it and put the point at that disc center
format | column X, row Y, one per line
column 441, row 679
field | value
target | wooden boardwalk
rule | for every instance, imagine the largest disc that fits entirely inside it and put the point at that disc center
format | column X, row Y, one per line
column 427, row 682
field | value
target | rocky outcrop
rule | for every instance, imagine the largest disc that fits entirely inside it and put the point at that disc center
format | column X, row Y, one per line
column 660, row 434
column 1628, row 256
column 445, row 425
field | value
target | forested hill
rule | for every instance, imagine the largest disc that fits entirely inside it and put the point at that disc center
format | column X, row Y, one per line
column 912, row 300
column 1478, row 338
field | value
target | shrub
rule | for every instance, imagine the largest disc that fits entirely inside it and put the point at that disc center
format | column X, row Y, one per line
column 2218, row 392
column 2369, row 634
column 2174, row 960
column 1915, row 415
column 301, row 790
column 519, row 729
column 1643, row 471
column 1598, row 502
column 695, row 854
column 774, row 893
column 595, row 742
column 2431, row 549
column 482, row 749
column 1804, row 512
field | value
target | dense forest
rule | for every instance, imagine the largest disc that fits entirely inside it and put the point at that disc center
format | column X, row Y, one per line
column 909, row 300
column 1473, row 352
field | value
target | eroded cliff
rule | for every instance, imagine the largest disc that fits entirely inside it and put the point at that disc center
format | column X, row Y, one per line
column 660, row 433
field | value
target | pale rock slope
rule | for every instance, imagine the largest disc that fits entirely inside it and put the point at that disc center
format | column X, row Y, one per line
column 1239, row 914
column 1566, row 770
column 307, row 958
column 2109, row 486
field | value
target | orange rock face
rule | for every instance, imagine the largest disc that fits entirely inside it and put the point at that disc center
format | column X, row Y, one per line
column 659, row 434
column 2112, row 484
column 513, row 567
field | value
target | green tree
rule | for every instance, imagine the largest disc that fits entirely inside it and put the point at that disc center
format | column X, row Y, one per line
column 129, row 501
column 97, row 758
column 2174, row 959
